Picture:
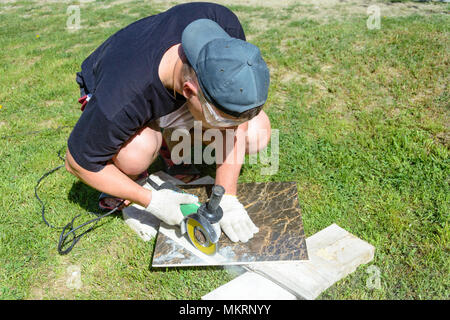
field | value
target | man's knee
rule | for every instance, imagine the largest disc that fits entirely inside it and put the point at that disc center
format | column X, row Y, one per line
column 136, row 155
column 258, row 133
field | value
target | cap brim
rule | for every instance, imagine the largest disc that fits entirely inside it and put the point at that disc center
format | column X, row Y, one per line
column 196, row 35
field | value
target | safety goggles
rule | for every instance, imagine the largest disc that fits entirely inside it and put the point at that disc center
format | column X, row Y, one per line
column 215, row 119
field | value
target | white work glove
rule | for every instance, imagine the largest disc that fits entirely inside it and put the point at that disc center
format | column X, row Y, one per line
column 165, row 203
column 236, row 223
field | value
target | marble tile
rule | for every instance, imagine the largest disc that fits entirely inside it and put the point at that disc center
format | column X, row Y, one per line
column 273, row 207
column 206, row 180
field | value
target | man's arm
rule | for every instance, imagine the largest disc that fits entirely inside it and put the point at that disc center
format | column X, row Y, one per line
column 110, row 180
column 235, row 223
column 227, row 173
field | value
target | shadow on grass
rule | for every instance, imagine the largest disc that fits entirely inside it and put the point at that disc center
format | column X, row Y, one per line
column 85, row 196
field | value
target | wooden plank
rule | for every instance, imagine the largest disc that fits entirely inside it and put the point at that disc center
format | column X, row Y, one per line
column 333, row 254
column 250, row 286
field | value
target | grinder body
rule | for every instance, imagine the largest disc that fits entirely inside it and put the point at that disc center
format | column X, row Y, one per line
column 201, row 222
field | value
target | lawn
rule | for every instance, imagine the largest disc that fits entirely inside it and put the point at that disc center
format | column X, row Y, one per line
column 363, row 120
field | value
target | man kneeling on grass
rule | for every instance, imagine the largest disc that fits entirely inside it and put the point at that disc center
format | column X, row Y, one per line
column 165, row 71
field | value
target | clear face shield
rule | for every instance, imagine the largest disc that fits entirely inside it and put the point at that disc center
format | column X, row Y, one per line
column 214, row 118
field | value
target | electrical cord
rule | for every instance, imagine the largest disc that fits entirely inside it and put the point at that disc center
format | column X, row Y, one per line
column 69, row 229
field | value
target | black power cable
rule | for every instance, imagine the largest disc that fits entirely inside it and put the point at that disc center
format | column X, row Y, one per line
column 68, row 229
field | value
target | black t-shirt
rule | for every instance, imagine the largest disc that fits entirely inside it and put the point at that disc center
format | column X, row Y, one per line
column 122, row 76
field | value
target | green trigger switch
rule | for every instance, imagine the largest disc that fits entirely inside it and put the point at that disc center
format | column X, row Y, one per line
column 187, row 209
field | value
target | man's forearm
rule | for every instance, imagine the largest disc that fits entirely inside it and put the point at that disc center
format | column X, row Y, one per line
column 227, row 176
column 112, row 181
column 227, row 172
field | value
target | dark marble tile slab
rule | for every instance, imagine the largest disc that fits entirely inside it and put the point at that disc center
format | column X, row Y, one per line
column 273, row 207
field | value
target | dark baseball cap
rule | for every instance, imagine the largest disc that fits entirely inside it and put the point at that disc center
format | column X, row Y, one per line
column 231, row 72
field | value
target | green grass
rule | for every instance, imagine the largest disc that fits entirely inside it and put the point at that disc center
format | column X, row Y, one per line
column 363, row 120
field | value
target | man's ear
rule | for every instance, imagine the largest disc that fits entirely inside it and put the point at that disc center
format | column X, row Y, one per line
column 189, row 90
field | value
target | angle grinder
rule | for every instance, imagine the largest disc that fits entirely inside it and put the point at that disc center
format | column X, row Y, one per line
column 201, row 222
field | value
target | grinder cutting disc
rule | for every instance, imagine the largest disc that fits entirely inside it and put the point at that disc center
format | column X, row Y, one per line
column 201, row 234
